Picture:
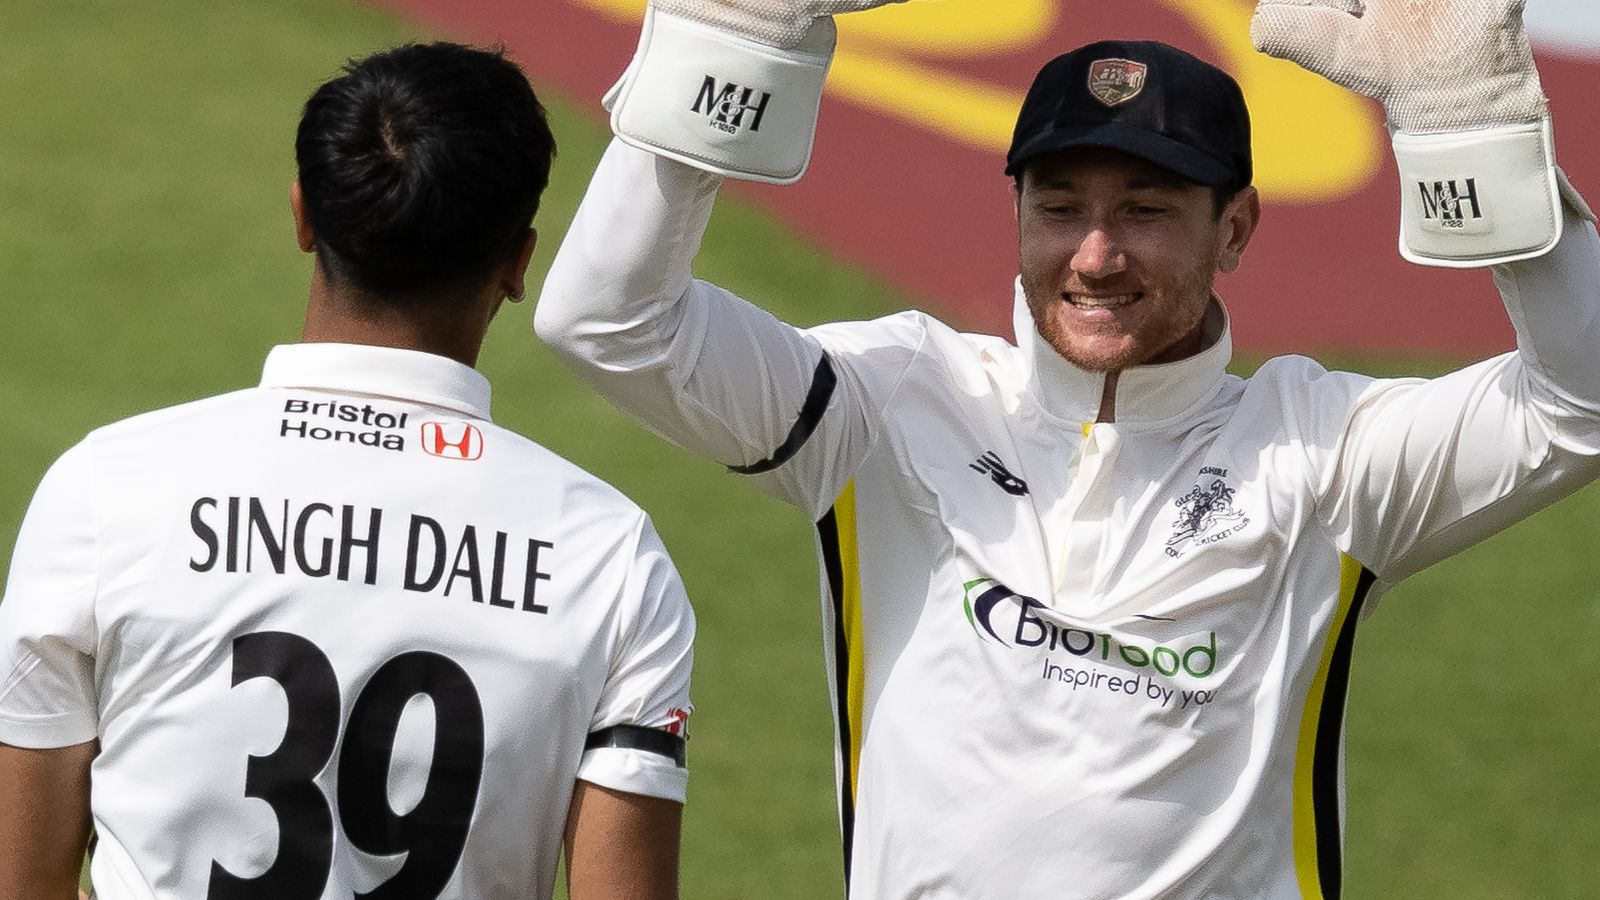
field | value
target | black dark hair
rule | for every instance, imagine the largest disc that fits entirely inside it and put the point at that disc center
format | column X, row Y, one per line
column 421, row 168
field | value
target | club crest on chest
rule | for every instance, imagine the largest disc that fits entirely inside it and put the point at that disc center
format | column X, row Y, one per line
column 1205, row 514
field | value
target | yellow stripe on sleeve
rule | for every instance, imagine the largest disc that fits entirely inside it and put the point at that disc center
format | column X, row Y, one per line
column 850, row 622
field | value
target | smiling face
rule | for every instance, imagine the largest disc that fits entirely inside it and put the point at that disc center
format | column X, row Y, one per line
column 1118, row 256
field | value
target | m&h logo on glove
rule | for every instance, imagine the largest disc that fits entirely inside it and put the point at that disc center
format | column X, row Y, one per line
column 725, row 107
column 1451, row 203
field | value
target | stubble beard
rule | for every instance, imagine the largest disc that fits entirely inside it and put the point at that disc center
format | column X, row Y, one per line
column 1043, row 295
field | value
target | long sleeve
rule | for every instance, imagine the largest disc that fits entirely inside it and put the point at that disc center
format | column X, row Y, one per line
column 1421, row 469
column 690, row 360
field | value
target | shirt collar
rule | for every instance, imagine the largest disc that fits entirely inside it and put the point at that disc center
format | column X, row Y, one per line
column 1147, row 393
column 379, row 372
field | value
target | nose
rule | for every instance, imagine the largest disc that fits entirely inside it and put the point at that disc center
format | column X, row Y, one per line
column 1098, row 255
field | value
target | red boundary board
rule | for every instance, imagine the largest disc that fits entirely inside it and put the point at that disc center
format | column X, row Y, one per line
column 935, row 217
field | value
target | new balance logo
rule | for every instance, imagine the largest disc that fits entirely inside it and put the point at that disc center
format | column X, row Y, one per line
column 1452, row 203
column 989, row 464
column 727, row 106
column 452, row 440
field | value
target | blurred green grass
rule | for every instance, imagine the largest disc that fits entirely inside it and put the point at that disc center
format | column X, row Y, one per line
column 146, row 258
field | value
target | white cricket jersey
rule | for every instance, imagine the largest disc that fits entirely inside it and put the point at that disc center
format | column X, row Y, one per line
column 341, row 634
column 1076, row 659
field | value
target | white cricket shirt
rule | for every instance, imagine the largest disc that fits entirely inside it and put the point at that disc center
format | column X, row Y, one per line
column 1076, row 659
column 340, row 633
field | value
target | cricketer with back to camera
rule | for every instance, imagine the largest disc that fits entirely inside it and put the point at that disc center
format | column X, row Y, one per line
column 341, row 634
column 1089, row 600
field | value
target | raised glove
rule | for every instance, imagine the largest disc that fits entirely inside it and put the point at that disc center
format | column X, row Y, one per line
column 730, row 86
column 1469, row 122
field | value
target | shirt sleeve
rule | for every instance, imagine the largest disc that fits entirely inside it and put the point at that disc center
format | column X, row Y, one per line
column 645, row 702
column 47, row 623
column 692, row 361
column 1423, row 468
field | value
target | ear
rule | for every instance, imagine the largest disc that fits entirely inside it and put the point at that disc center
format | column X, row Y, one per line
column 513, row 278
column 303, row 234
column 1239, row 221
column 1016, row 199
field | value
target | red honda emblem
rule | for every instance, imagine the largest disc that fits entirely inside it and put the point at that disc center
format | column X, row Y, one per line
column 452, row 440
column 1116, row 81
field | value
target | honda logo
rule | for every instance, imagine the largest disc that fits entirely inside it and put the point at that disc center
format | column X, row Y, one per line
column 452, row 440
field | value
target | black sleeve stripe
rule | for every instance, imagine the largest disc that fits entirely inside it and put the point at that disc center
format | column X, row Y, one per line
column 828, row 528
column 1325, row 779
column 637, row 737
column 822, row 385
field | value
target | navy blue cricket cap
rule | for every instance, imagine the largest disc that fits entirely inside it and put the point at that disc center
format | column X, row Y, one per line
column 1144, row 98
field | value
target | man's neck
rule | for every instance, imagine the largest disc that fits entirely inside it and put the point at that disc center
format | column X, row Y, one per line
column 336, row 315
column 1108, row 398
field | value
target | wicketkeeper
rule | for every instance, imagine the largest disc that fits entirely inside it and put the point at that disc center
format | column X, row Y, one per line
column 1091, row 598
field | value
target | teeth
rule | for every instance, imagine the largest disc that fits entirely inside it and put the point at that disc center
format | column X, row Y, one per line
column 1101, row 302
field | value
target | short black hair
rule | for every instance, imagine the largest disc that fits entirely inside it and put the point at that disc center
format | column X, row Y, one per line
column 421, row 168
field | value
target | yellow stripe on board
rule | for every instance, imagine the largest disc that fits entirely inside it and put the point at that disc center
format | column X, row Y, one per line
column 1305, row 814
column 850, row 614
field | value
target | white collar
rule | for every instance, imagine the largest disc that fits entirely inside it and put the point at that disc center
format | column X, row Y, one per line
column 379, row 372
column 1148, row 393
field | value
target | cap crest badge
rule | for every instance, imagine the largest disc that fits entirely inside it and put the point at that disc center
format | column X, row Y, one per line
column 1116, row 81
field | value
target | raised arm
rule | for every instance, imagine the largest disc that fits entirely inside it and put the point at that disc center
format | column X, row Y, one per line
column 1422, row 469
column 692, row 361
column 1415, row 470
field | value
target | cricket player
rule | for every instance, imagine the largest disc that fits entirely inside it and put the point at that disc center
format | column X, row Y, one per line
column 340, row 634
column 1091, row 599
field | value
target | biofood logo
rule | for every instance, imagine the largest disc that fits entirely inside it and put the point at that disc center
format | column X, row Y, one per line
column 1014, row 624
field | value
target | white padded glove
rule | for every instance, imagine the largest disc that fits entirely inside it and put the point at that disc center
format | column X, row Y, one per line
column 1468, row 119
column 730, row 86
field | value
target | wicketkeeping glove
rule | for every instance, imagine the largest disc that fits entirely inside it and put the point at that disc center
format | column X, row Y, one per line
column 730, row 86
column 1468, row 119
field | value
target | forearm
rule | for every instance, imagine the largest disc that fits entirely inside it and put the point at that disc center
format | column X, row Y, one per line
column 611, row 299
column 1427, row 468
column 621, row 845
column 44, row 821
column 1554, row 305
column 690, row 360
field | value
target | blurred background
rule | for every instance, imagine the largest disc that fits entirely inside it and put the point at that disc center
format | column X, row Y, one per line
column 147, row 258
